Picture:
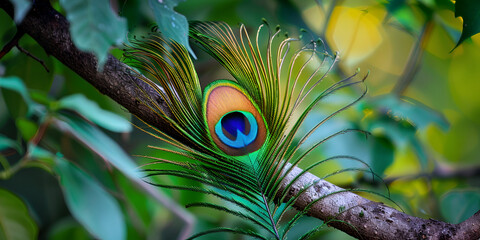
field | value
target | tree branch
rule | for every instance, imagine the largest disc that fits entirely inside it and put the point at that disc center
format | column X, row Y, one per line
column 366, row 219
column 51, row 30
column 362, row 218
column 12, row 43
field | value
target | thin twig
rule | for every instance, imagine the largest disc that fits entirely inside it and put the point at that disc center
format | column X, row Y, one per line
column 414, row 60
column 439, row 173
column 32, row 56
column 12, row 43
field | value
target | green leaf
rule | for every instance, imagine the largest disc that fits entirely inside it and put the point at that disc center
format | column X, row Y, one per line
column 15, row 221
column 21, row 9
column 382, row 154
column 27, row 128
column 41, row 158
column 68, row 229
column 404, row 14
column 404, row 116
column 41, row 97
column 458, row 205
column 98, row 142
column 94, row 26
column 94, row 113
column 469, row 10
column 172, row 24
column 401, row 133
column 146, row 210
column 37, row 152
column 409, row 110
column 394, row 5
column 89, row 203
column 15, row 84
column 452, row 32
column 6, row 143
column 32, row 73
column 442, row 5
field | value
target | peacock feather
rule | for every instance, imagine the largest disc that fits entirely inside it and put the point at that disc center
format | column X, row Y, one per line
column 243, row 136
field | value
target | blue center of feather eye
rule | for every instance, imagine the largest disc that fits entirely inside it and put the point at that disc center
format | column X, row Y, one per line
column 234, row 122
column 233, row 126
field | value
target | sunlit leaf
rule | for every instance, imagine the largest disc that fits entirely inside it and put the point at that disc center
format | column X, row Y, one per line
column 98, row 142
column 469, row 10
column 456, row 206
column 452, row 32
column 94, row 26
column 89, row 203
column 463, row 82
column 21, row 9
column 411, row 193
column 354, row 33
column 460, row 144
column 172, row 24
column 404, row 164
column 94, row 113
column 310, row 17
column 15, row 221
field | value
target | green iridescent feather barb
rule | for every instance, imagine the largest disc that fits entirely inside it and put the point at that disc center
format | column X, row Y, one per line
column 244, row 134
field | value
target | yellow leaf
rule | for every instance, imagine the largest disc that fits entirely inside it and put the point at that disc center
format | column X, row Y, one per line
column 463, row 79
column 405, row 163
column 314, row 17
column 356, row 34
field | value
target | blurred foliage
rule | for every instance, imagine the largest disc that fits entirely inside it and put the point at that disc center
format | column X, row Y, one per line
column 172, row 24
column 61, row 173
column 94, row 26
column 470, row 12
column 15, row 221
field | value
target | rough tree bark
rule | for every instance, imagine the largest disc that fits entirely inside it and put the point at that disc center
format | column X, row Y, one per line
column 366, row 219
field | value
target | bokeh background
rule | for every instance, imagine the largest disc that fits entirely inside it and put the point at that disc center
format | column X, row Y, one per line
column 422, row 111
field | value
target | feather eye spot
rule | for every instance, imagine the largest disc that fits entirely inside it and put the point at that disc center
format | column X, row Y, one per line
column 234, row 122
column 237, row 129
column 232, row 118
